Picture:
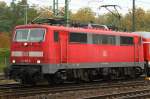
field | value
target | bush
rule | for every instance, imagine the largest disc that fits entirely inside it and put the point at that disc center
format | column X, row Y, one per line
column 4, row 58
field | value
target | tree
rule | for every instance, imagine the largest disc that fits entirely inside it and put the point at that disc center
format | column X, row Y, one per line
column 4, row 23
column 147, row 21
column 84, row 15
column 4, row 41
column 14, row 15
column 140, row 20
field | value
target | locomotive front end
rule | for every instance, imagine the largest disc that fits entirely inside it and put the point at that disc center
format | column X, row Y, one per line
column 27, row 54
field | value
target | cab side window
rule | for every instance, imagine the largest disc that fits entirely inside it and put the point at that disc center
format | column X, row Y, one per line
column 125, row 41
column 56, row 36
column 78, row 37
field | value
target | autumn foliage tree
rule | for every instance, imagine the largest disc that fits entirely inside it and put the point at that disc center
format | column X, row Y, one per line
column 13, row 14
column 142, row 22
column 4, row 40
column 84, row 15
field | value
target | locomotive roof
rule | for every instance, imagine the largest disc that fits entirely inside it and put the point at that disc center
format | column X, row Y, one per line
column 78, row 30
column 143, row 34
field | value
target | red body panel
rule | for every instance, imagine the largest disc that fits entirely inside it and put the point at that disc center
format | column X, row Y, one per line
column 99, row 53
column 146, row 46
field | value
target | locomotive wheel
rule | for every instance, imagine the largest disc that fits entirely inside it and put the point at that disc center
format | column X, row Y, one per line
column 28, row 80
column 86, row 77
column 138, row 71
column 54, row 79
column 57, row 80
column 49, row 79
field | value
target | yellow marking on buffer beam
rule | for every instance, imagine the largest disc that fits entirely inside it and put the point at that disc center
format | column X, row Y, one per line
column 147, row 78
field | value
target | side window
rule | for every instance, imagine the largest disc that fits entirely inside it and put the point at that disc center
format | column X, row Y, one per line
column 104, row 39
column 126, row 40
column 97, row 39
column 111, row 40
column 56, row 36
column 78, row 37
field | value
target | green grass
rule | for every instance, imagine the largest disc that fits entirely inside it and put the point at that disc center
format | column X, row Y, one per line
column 2, row 66
column 4, row 58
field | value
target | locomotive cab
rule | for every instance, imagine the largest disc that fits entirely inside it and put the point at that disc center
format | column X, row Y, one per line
column 27, row 53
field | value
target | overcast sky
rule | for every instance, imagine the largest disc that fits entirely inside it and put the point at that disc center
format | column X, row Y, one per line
column 94, row 4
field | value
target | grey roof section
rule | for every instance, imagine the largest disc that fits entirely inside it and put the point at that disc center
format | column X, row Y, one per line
column 143, row 34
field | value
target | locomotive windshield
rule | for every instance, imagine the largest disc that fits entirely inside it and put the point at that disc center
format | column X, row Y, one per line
column 29, row 35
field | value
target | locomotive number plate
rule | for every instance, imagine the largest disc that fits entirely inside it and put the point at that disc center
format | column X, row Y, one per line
column 25, row 53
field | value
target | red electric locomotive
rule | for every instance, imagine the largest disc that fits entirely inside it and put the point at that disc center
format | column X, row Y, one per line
column 58, row 54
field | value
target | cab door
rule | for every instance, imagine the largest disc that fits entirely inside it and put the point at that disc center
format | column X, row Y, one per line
column 136, row 49
column 63, row 46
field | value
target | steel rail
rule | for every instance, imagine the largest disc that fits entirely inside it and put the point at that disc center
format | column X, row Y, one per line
column 44, row 89
column 136, row 94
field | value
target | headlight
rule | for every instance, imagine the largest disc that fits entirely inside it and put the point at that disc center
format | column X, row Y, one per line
column 25, row 44
column 38, row 61
column 13, row 61
column 148, row 63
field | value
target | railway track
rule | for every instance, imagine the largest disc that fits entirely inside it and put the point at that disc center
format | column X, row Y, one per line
column 137, row 94
column 16, row 90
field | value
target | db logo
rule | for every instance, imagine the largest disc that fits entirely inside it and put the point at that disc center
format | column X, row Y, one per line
column 105, row 54
column 25, row 53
